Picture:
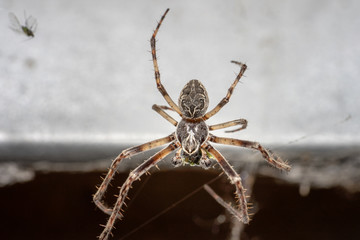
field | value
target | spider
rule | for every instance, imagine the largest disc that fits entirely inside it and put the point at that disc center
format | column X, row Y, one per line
column 191, row 141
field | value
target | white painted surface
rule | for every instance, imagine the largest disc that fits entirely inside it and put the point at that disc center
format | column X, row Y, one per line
column 87, row 74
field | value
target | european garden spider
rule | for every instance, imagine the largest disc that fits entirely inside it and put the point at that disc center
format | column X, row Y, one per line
column 191, row 138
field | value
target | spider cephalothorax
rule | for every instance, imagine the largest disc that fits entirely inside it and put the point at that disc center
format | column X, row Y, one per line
column 191, row 138
column 191, row 135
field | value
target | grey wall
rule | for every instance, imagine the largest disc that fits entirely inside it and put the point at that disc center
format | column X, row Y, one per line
column 87, row 74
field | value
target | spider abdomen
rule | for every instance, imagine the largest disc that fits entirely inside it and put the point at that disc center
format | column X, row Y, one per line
column 193, row 100
column 191, row 135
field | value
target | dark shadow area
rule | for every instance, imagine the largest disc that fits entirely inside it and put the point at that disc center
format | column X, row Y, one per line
column 323, row 214
column 58, row 205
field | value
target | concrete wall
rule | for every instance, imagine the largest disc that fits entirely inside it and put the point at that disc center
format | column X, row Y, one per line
column 87, row 74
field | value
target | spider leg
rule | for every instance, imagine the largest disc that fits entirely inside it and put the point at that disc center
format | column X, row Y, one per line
column 221, row 201
column 165, row 107
column 159, row 110
column 133, row 176
column 156, row 68
column 234, row 179
column 177, row 160
column 226, row 99
column 97, row 198
column 204, row 161
column 241, row 121
column 269, row 157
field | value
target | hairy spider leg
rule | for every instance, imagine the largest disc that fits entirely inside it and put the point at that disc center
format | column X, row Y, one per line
column 97, row 198
column 159, row 110
column 160, row 87
column 234, row 179
column 133, row 176
column 226, row 99
column 177, row 160
column 163, row 107
column 221, row 201
column 241, row 121
column 270, row 158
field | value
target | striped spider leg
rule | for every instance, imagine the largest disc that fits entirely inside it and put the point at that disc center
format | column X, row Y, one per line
column 112, row 170
column 226, row 99
column 235, row 179
column 159, row 110
column 191, row 138
column 267, row 155
column 241, row 121
column 156, row 67
column 226, row 205
column 133, row 176
column 242, row 212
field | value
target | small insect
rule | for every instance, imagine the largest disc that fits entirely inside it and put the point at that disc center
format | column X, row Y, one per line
column 28, row 29
column 191, row 141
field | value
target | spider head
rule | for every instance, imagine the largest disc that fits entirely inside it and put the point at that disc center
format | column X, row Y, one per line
column 193, row 100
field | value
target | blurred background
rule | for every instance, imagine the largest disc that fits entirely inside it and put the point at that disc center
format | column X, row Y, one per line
column 81, row 91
